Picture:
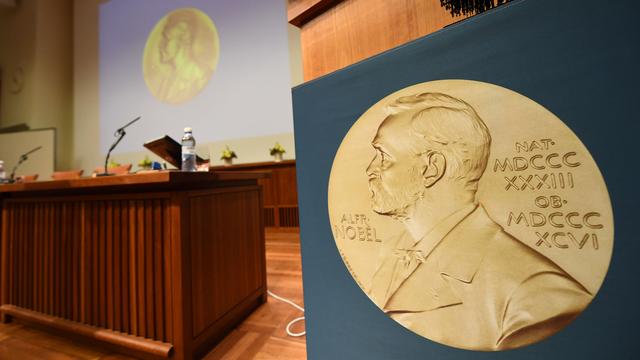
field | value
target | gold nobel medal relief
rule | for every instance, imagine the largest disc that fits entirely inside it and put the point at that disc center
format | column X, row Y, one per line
column 180, row 56
column 470, row 214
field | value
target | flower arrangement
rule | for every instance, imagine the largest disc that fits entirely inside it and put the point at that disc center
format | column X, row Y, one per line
column 145, row 163
column 228, row 154
column 277, row 149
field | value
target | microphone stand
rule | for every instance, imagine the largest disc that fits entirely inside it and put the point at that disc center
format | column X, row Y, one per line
column 24, row 157
column 120, row 133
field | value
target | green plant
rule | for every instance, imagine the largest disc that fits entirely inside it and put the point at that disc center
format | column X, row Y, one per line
column 113, row 164
column 145, row 163
column 277, row 149
column 228, row 154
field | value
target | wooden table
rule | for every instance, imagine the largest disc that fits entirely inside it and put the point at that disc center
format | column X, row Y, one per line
column 158, row 265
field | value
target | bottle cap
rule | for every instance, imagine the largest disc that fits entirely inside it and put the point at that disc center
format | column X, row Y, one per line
column 188, row 129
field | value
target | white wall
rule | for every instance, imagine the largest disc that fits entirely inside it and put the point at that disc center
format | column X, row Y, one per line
column 17, row 57
column 35, row 40
column 13, row 145
column 55, row 43
column 87, row 154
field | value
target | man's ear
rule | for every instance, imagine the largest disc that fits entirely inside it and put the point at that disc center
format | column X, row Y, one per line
column 435, row 165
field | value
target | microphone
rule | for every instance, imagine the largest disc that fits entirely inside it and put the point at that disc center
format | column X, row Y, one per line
column 24, row 157
column 119, row 134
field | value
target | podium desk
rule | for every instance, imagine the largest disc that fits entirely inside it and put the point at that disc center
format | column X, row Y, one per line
column 157, row 265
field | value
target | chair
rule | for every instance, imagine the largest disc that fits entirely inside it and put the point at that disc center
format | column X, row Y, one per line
column 27, row 178
column 67, row 175
column 123, row 169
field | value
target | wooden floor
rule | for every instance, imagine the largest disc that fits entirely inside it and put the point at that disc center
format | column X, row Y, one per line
column 261, row 336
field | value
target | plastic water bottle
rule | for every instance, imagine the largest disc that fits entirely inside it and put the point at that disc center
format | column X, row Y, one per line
column 188, row 151
column 3, row 174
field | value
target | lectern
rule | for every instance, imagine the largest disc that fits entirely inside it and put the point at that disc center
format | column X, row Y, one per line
column 158, row 265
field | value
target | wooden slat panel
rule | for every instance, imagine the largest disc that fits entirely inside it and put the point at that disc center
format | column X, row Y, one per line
column 148, row 268
column 158, row 270
column 94, row 260
column 50, row 248
column 124, row 227
column 85, row 300
column 141, row 259
column 168, row 275
column 37, row 249
column 109, row 265
column 289, row 217
column 99, row 262
column 77, row 265
column 133, row 277
column 67, row 288
column 112, row 263
column 102, row 313
column 117, row 268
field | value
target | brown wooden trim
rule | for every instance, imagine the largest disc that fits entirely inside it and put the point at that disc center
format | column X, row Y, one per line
column 300, row 12
column 263, row 165
column 135, row 343
column 168, row 178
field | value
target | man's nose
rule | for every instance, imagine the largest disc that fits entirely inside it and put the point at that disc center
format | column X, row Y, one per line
column 372, row 169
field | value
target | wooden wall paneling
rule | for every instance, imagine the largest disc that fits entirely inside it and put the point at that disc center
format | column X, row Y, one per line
column 353, row 30
column 269, row 191
column 287, row 188
column 280, row 191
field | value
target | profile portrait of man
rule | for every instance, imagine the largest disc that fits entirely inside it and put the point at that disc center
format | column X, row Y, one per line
column 454, row 275
column 186, row 56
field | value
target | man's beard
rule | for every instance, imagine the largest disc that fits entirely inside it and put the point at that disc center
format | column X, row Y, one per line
column 396, row 205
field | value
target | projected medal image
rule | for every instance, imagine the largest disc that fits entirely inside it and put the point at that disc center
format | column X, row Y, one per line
column 181, row 55
column 470, row 215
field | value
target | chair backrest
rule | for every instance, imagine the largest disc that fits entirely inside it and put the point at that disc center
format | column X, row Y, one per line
column 67, row 175
column 117, row 170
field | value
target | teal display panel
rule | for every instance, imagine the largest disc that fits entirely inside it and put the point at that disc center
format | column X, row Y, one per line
column 579, row 59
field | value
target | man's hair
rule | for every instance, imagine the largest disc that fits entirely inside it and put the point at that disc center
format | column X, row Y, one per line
column 441, row 123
